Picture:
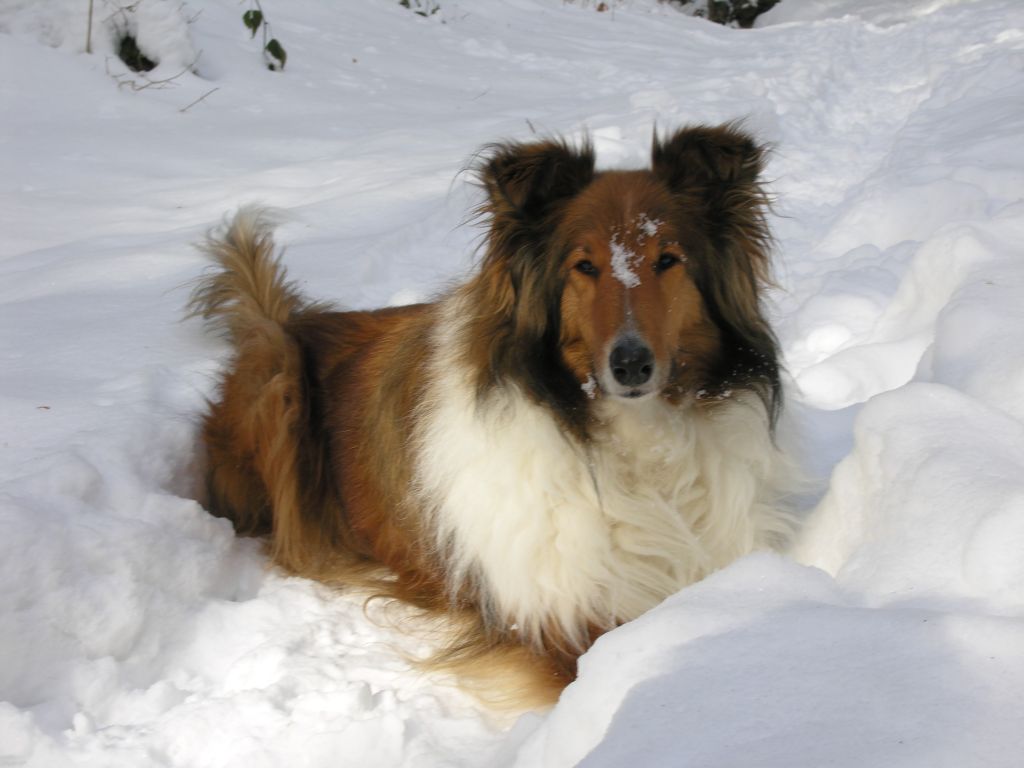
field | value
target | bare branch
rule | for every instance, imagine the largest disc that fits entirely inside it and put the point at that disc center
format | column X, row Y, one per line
column 187, row 108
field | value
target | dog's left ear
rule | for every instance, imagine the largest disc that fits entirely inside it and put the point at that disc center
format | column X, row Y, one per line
column 721, row 167
column 708, row 154
column 715, row 171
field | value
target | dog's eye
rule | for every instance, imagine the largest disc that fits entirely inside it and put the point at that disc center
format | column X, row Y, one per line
column 586, row 267
column 666, row 261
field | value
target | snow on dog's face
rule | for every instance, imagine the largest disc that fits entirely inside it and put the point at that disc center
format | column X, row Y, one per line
column 625, row 284
column 633, row 320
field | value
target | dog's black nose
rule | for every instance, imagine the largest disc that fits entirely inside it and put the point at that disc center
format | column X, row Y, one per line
column 632, row 362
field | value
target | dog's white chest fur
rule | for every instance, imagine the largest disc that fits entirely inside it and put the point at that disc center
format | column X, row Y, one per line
column 557, row 534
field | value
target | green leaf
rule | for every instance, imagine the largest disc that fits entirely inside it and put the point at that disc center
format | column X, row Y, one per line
column 275, row 51
column 252, row 20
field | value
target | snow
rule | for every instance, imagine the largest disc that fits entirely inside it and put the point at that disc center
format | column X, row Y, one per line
column 624, row 262
column 135, row 629
column 647, row 225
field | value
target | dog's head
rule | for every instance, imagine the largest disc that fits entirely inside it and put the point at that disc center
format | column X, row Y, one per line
column 627, row 284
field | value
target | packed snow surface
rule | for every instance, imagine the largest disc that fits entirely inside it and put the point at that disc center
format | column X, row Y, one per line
column 136, row 630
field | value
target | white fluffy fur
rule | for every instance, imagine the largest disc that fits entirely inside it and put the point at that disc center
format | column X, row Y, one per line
column 557, row 532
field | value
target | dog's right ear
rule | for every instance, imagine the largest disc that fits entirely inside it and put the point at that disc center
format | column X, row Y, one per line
column 525, row 181
column 516, row 335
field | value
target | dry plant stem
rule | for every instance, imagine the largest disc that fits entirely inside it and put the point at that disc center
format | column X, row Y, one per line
column 265, row 25
column 88, row 30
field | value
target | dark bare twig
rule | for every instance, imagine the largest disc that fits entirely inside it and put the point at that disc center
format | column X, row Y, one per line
column 187, row 108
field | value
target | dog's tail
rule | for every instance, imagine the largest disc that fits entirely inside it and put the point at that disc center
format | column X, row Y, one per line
column 264, row 463
column 250, row 286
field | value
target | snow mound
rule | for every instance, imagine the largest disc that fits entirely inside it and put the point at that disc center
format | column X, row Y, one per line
column 159, row 27
column 772, row 664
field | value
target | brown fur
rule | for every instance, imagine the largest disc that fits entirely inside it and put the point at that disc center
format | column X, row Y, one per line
column 666, row 307
column 308, row 441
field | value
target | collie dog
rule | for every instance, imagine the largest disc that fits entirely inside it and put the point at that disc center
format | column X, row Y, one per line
column 550, row 449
